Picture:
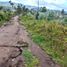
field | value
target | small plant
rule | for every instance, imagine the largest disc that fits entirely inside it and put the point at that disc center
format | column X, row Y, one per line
column 30, row 60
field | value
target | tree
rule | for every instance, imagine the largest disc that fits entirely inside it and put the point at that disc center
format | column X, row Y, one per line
column 19, row 9
column 11, row 3
column 37, row 15
column 43, row 9
column 25, row 10
column 62, row 12
column 1, row 7
column 51, row 16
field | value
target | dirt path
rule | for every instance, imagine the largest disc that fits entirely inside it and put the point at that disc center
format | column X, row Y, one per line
column 11, row 34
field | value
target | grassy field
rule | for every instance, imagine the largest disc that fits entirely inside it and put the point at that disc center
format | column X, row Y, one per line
column 50, row 36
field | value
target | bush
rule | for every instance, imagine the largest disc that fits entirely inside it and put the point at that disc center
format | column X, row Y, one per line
column 5, row 16
column 51, row 16
column 65, row 19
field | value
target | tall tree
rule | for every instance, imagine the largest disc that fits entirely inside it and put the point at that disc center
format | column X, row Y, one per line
column 11, row 3
column 25, row 10
column 1, row 7
column 37, row 14
column 62, row 12
column 43, row 9
column 19, row 9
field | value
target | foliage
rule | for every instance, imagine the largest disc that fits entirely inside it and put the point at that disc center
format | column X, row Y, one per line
column 5, row 16
column 51, row 16
column 50, row 35
column 62, row 12
column 1, row 7
column 43, row 9
column 65, row 19
column 25, row 10
column 37, row 15
column 19, row 9
column 11, row 3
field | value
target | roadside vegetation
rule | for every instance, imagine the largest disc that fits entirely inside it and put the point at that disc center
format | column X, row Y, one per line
column 50, row 35
column 5, row 15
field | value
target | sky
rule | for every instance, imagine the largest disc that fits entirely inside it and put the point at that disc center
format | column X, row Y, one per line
column 50, row 4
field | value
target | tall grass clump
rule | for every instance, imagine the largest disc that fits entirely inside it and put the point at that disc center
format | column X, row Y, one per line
column 5, row 16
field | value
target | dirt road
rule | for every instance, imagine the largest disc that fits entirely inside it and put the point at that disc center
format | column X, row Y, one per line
column 13, row 34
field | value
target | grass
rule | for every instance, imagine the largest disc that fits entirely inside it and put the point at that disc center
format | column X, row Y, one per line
column 50, row 36
column 30, row 60
column 5, row 16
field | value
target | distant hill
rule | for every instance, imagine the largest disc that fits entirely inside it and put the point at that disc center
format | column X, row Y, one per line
column 7, row 4
column 4, row 4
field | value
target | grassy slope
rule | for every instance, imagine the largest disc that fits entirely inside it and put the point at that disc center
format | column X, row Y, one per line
column 51, row 36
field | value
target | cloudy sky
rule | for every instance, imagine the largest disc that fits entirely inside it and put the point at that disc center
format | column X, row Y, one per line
column 50, row 4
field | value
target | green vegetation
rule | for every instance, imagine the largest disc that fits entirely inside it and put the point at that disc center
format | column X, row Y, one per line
column 5, row 16
column 50, row 36
column 21, row 10
column 43, row 9
column 30, row 60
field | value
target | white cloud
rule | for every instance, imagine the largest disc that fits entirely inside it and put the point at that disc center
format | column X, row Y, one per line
column 34, row 2
column 30, row 2
column 15, row 1
column 53, row 7
column 56, row 1
column 27, row 2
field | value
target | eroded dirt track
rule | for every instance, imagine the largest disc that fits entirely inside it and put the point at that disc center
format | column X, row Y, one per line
column 10, row 34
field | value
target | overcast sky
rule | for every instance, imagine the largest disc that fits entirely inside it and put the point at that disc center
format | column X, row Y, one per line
column 51, row 4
